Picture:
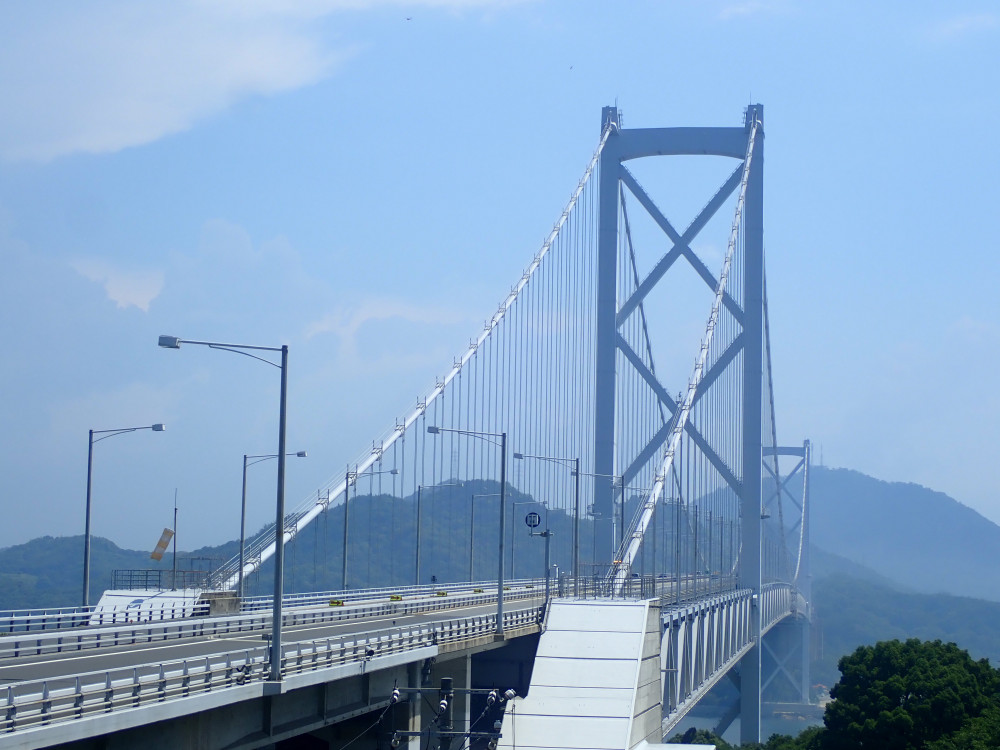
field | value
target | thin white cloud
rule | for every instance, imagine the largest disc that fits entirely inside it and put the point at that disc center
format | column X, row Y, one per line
column 751, row 8
column 101, row 76
column 421, row 348
column 963, row 25
column 347, row 323
column 126, row 288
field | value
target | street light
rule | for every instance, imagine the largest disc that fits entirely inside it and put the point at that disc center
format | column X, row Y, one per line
column 243, row 507
column 532, row 521
column 90, row 464
column 472, row 531
column 420, row 490
column 347, row 497
column 503, row 504
column 173, row 342
column 513, row 541
column 576, row 505
column 617, row 482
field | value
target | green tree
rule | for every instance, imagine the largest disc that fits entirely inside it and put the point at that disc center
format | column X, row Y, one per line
column 905, row 696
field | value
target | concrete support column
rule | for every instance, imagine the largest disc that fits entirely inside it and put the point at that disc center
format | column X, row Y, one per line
column 461, row 674
column 413, row 704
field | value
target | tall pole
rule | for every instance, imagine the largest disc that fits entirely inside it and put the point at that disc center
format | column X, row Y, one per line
column 548, row 558
column 416, row 561
column 86, row 532
column 576, row 531
column 243, row 526
column 279, row 527
column 90, row 465
column 347, row 497
column 173, row 582
column 503, row 530
column 472, row 537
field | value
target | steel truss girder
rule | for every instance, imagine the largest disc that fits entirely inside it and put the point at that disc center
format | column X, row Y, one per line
column 780, row 665
column 705, row 640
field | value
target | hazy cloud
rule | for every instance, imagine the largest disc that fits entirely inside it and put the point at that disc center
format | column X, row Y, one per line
column 126, row 288
column 750, row 8
column 960, row 26
column 346, row 324
column 101, row 76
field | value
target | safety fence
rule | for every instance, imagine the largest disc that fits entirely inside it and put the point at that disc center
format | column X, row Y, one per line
column 34, row 644
column 43, row 702
column 63, row 618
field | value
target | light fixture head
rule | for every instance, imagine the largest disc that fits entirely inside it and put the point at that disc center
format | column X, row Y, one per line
column 170, row 342
column 158, row 427
column 301, row 454
column 433, row 430
column 518, row 455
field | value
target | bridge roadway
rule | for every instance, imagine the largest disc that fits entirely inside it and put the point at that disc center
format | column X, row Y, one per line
column 56, row 664
column 59, row 686
column 64, row 686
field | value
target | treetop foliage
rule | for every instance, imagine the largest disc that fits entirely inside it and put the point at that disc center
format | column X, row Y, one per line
column 907, row 695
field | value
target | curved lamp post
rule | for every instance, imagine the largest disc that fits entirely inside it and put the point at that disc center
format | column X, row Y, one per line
column 173, row 342
column 503, row 504
column 347, row 496
column 420, row 523
column 573, row 464
column 243, row 506
column 472, row 531
column 105, row 434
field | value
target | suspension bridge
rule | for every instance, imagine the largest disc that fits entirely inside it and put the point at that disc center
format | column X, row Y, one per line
column 621, row 396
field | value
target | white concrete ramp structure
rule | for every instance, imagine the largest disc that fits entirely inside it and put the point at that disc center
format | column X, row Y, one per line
column 596, row 680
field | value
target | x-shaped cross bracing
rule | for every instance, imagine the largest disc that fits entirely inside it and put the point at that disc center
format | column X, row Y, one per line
column 681, row 248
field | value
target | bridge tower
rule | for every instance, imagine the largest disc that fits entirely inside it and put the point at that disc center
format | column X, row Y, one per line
column 623, row 145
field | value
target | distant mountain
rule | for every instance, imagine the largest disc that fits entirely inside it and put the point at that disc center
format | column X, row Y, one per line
column 48, row 571
column 850, row 612
column 826, row 564
column 923, row 539
column 899, row 536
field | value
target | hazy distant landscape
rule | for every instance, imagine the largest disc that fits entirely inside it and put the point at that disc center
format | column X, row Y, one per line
column 890, row 560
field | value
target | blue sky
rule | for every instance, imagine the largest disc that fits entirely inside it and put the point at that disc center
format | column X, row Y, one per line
column 365, row 180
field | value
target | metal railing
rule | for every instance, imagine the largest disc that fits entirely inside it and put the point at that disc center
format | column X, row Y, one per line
column 684, row 588
column 158, row 580
column 252, row 604
column 43, row 702
column 60, row 618
column 36, row 644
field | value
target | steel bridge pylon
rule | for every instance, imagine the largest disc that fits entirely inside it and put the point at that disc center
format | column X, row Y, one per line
column 748, row 353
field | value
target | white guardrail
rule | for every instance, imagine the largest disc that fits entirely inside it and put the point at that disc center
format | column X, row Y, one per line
column 61, row 618
column 38, row 643
column 43, row 702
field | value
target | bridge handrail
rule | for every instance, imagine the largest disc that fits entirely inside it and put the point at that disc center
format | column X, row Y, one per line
column 63, row 641
column 62, row 618
column 251, row 604
column 24, row 621
column 32, row 703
